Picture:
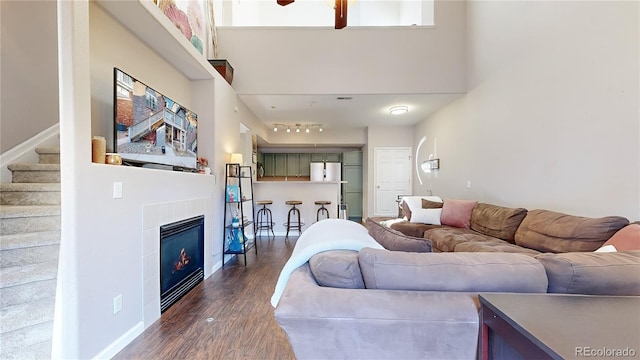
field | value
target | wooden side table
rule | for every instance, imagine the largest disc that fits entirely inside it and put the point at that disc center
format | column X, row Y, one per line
column 557, row 326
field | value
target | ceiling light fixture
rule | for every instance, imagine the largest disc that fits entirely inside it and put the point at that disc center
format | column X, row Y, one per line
column 298, row 127
column 398, row 110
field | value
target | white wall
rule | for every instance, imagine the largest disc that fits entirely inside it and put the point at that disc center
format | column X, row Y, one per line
column 278, row 60
column 28, row 70
column 107, row 243
column 551, row 118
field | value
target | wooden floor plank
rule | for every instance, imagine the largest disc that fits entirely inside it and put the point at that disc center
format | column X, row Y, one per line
column 227, row 316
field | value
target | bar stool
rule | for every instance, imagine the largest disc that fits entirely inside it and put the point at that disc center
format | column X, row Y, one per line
column 264, row 218
column 295, row 212
column 322, row 209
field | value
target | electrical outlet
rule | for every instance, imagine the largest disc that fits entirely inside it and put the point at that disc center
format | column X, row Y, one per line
column 468, row 184
column 117, row 304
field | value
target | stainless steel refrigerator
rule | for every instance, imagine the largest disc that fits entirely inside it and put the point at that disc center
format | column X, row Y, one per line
column 326, row 171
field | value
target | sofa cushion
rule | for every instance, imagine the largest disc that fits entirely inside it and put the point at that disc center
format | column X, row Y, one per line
column 614, row 273
column 497, row 221
column 413, row 229
column 627, row 238
column 457, row 213
column 549, row 231
column 394, row 240
column 337, row 268
column 445, row 239
column 473, row 272
column 494, row 246
column 428, row 204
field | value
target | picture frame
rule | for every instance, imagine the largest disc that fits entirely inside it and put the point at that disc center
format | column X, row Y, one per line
column 232, row 194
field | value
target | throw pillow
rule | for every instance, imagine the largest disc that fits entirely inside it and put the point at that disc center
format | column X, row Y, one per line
column 413, row 203
column 627, row 238
column 396, row 241
column 428, row 204
column 426, row 216
column 457, row 213
column 337, row 268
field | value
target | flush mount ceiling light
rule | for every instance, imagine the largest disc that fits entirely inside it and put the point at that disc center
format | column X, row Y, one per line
column 398, row 110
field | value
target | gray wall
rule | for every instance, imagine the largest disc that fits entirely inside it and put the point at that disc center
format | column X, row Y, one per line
column 28, row 70
column 551, row 118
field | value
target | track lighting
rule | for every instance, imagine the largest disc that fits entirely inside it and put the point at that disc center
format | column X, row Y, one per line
column 306, row 127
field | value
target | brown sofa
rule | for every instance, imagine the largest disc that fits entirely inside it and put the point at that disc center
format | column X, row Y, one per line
column 381, row 304
column 496, row 228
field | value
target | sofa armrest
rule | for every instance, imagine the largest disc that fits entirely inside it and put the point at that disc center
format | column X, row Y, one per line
column 329, row 323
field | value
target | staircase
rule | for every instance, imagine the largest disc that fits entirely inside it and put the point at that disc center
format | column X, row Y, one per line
column 29, row 249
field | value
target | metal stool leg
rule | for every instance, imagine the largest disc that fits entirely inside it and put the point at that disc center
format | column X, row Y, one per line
column 295, row 212
column 322, row 211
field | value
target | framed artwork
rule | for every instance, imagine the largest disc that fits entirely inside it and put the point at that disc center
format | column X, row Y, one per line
column 254, row 144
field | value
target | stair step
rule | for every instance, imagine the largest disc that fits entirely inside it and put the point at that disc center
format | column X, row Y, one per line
column 28, row 314
column 33, row 342
column 27, row 240
column 30, row 193
column 19, row 275
column 29, row 256
column 34, row 173
column 48, row 155
column 29, row 218
column 23, row 293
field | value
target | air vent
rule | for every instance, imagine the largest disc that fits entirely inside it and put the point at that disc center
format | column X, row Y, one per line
column 344, row 98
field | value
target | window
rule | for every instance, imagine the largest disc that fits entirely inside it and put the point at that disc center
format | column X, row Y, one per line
column 320, row 13
column 151, row 99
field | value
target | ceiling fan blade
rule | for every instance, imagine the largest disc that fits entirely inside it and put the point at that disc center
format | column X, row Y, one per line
column 341, row 14
column 284, row 2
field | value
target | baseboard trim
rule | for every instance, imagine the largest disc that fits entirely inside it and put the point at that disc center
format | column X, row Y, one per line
column 25, row 151
column 124, row 340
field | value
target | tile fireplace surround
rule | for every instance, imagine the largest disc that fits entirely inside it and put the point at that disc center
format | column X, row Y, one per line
column 153, row 216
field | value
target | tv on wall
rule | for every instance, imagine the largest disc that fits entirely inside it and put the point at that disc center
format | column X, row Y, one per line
column 150, row 128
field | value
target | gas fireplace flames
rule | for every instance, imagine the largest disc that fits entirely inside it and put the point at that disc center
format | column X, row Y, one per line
column 183, row 261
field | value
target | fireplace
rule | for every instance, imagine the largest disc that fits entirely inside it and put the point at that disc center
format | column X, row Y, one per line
column 181, row 259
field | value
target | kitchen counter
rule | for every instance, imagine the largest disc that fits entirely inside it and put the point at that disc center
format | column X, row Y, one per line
column 307, row 191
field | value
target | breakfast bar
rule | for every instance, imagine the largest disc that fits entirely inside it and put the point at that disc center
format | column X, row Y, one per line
column 281, row 190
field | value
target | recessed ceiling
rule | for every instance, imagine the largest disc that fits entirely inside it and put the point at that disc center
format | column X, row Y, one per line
column 345, row 111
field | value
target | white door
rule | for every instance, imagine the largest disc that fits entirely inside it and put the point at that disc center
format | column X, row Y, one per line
column 392, row 172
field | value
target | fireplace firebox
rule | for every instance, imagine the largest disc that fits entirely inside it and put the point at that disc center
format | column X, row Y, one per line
column 181, row 259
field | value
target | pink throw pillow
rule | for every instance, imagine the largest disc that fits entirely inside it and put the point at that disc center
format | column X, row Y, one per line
column 457, row 213
column 627, row 238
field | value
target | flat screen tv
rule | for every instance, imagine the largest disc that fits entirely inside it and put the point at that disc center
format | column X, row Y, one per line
column 150, row 128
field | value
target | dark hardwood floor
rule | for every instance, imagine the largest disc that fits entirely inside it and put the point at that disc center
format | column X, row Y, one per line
column 227, row 316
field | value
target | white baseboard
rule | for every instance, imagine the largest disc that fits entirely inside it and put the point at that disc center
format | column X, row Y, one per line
column 25, row 151
column 121, row 342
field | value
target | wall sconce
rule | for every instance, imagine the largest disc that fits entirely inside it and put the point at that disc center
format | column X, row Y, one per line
column 431, row 164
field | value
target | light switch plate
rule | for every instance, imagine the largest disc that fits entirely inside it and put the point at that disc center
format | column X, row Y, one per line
column 117, row 190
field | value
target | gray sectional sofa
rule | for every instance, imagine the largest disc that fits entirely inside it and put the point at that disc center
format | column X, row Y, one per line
column 407, row 302
column 402, row 305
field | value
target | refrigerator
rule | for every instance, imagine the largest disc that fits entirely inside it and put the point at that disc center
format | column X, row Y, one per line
column 326, row 171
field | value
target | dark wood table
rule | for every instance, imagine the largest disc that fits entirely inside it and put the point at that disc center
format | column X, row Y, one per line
column 556, row 326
